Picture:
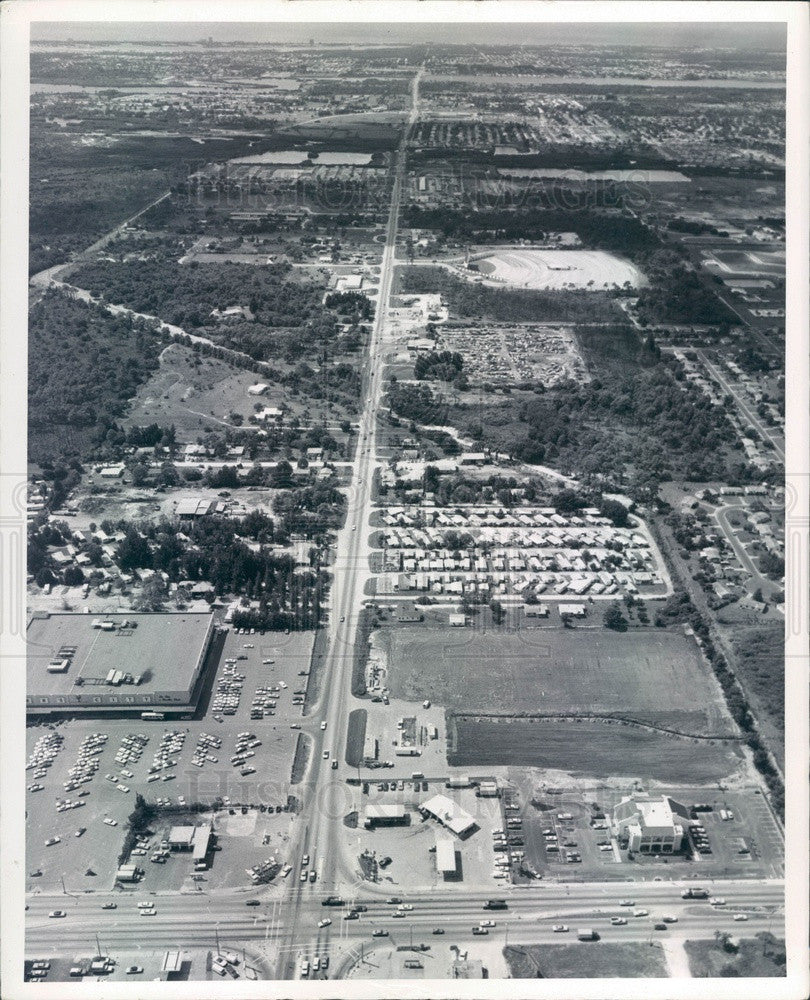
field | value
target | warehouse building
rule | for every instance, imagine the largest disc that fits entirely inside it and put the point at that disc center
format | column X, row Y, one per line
column 651, row 824
column 128, row 662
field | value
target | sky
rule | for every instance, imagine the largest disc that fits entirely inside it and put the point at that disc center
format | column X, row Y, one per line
column 735, row 35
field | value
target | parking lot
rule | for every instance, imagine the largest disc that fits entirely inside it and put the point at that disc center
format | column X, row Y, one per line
column 78, row 781
column 569, row 836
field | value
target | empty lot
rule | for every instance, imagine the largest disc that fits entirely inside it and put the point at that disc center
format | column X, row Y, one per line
column 656, row 676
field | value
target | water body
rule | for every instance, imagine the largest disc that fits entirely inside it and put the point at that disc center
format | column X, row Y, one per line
column 617, row 81
column 296, row 157
column 639, row 176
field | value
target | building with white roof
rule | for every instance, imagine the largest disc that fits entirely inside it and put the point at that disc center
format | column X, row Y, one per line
column 449, row 814
column 652, row 824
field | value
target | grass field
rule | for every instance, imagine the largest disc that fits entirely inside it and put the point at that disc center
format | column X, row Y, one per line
column 538, row 269
column 591, row 960
column 763, row 955
column 656, row 676
column 590, row 748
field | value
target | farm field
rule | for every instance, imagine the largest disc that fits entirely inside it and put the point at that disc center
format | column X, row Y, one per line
column 589, row 748
column 585, row 961
column 559, row 269
column 656, row 676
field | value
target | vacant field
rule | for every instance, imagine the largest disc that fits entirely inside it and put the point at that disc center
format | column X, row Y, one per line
column 655, row 676
column 763, row 955
column 591, row 960
column 552, row 269
column 590, row 748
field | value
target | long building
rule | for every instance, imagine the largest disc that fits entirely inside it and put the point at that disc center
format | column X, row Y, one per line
column 116, row 662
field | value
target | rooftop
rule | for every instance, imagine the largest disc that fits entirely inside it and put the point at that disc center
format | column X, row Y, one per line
column 449, row 813
column 163, row 648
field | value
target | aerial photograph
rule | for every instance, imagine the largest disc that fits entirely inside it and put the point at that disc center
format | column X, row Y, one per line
column 405, row 590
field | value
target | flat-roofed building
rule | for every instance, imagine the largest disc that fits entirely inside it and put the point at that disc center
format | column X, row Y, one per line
column 385, row 814
column 446, row 864
column 116, row 662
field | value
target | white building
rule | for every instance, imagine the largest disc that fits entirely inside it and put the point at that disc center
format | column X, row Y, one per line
column 652, row 824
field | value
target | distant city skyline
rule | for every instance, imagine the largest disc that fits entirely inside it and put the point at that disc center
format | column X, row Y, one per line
column 697, row 35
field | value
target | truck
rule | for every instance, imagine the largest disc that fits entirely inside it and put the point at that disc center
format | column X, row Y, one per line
column 695, row 894
column 587, row 934
column 153, row 716
column 333, row 901
column 495, row 904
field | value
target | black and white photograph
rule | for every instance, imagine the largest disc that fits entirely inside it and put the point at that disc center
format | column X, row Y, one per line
column 404, row 500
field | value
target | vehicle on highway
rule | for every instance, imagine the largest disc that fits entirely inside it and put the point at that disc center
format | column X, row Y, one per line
column 717, row 901
column 57, row 913
column 393, row 900
column 326, row 755
column 480, row 930
column 438, row 930
column 352, row 915
column 147, row 913
column 627, row 902
column 380, row 932
column 660, row 926
column 360, row 908
column 325, row 922
column 405, row 906
column 333, row 901
column 641, row 913
column 495, row 904
column 398, row 913
column 323, row 724
column 669, row 919
column 560, row 928
column 252, row 902
column 618, row 921
column 334, row 765
column 740, row 916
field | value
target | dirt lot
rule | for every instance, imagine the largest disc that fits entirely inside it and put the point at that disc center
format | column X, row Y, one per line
column 657, row 676
column 98, row 848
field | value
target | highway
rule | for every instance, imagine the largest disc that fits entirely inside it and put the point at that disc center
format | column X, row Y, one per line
column 532, row 913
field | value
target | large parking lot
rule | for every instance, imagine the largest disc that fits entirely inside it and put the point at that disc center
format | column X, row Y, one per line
column 567, row 835
column 179, row 762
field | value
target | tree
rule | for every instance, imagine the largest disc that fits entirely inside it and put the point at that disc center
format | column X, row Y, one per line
column 614, row 619
column 73, row 576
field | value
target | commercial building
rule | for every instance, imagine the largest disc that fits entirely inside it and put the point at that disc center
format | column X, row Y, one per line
column 651, row 824
column 196, row 839
column 116, row 662
column 446, row 864
column 384, row 814
column 449, row 814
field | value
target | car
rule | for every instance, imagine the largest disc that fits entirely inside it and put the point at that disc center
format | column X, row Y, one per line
column 354, row 915
column 488, row 923
column 560, row 928
column 740, row 916
column 304, row 875
column 252, row 902
column 438, row 930
column 717, row 901
column 323, row 724
column 385, row 862
column 325, row 922
column 343, row 618
column 381, row 932
column 147, row 913
column 405, row 906
column 660, row 926
column 111, row 822
column 670, row 919
column 110, row 906
column 313, row 875
column 618, row 921
column 627, row 902
column 295, row 725
column 399, row 913
column 57, row 913
column 134, row 970
column 80, row 832
column 480, row 930
column 641, row 913
column 53, row 840
column 393, row 900
column 326, row 755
